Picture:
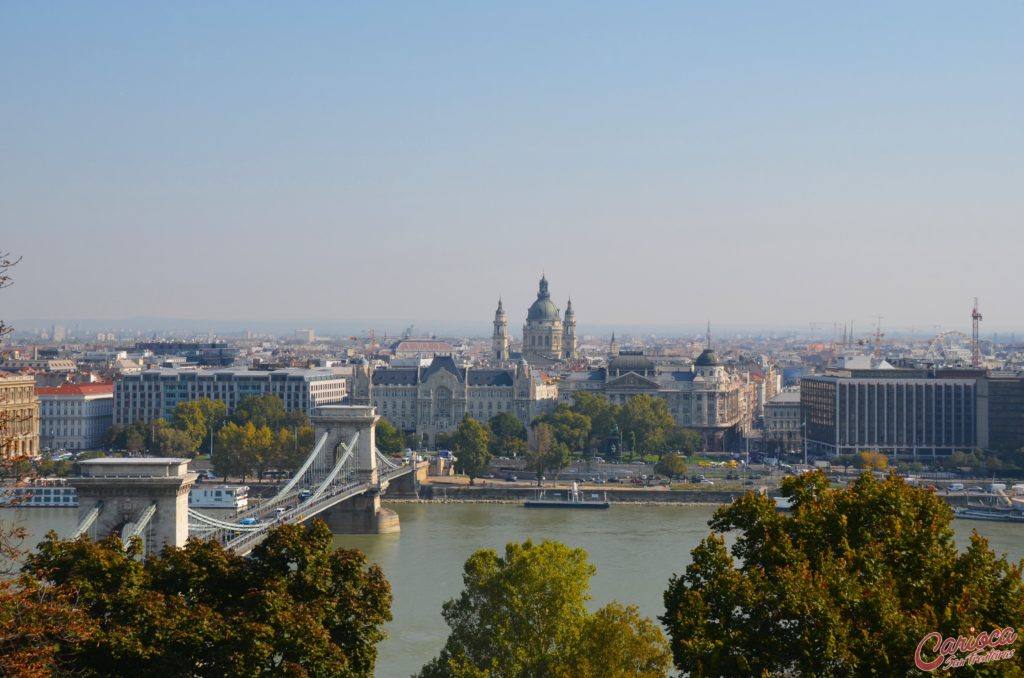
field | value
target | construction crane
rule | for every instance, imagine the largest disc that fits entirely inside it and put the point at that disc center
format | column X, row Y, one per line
column 975, row 344
column 878, row 338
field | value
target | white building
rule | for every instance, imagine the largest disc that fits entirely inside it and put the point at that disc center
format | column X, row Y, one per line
column 75, row 416
column 153, row 394
column 783, row 422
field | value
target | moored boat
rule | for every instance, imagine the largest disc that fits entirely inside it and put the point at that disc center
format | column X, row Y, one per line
column 994, row 515
column 573, row 498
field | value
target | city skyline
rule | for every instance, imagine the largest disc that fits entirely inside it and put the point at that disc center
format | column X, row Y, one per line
column 755, row 166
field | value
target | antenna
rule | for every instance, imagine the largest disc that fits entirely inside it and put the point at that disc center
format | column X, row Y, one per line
column 975, row 344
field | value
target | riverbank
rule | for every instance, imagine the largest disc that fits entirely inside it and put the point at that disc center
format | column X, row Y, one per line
column 454, row 493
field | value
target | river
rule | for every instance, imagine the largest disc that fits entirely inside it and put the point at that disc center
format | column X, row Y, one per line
column 635, row 549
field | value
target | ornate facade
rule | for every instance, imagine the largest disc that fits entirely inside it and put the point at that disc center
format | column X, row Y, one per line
column 706, row 397
column 434, row 399
column 546, row 339
column 19, row 416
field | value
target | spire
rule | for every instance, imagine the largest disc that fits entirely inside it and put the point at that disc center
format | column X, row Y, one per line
column 568, row 308
column 707, row 341
column 542, row 293
column 501, row 310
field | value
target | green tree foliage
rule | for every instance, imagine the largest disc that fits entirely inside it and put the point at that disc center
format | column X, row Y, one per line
column 848, row 585
column 671, row 465
column 263, row 410
column 524, row 615
column 167, row 441
column 470, row 446
column 546, row 453
column 197, row 417
column 646, row 420
column 508, row 435
column 296, row 606
column 389, row 439
column 684, row 440
column 570, row 428
column 601, row 413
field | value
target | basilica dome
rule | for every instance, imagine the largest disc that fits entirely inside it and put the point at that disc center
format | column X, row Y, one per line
column 542, row 309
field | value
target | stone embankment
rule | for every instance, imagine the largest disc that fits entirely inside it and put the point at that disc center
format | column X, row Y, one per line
column 504, row 495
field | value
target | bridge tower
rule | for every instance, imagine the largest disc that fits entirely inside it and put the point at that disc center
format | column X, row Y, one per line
column 135, row 496
column 362, row 514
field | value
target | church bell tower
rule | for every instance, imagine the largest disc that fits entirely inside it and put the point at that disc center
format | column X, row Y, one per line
column 499, row 342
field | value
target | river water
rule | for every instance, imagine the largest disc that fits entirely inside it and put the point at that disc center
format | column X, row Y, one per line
column 635, row 549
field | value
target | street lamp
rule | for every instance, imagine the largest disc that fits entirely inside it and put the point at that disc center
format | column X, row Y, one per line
column 803, row 434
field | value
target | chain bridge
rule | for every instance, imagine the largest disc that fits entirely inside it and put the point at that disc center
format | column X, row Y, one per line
column 341, row 481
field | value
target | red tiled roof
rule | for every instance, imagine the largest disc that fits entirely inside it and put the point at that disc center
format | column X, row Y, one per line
column 76, row 389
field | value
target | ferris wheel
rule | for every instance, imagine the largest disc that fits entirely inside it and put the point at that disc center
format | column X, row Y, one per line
column 951, row 348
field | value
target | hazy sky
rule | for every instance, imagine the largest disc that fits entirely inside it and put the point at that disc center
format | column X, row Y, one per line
column 762, row 163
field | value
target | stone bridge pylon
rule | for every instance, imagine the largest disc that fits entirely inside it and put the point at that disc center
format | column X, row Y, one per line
column 362, row 514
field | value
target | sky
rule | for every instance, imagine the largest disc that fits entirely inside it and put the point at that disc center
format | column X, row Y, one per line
column 664, row 163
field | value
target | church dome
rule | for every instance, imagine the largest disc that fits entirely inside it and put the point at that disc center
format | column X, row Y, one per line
column 542, row 309
column 707, row 359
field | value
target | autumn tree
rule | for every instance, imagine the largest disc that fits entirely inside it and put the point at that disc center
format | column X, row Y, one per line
column 848, row 584
column 872, row 461
column 37, row 621
column 671, row 465
column 524, row 615
column 546, row 454
column 295, row 606
column 470, row 446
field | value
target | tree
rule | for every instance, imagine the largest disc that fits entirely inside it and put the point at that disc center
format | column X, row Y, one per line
column 36, row 622
column 262, row 410
column 389, row 439
column 601, row 413
column 670, row 465
column 684, row 440
column 849, row 584
column 569, row 428
column 546, row 454
column 295, row 606
column 197, row 418
column 170, row 442
column 648, row 420
column 524, row 615
column 871, row 461
column 470, row 446
column 508, row 435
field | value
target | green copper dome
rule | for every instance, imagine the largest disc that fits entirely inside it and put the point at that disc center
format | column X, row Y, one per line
column 707, row 359
column 543, row 308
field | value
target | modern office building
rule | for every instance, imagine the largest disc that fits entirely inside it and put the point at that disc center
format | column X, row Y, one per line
column 19, row 416
column 75, row 416
column 1001, row 411
column 909, row 413
column 153, row 394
